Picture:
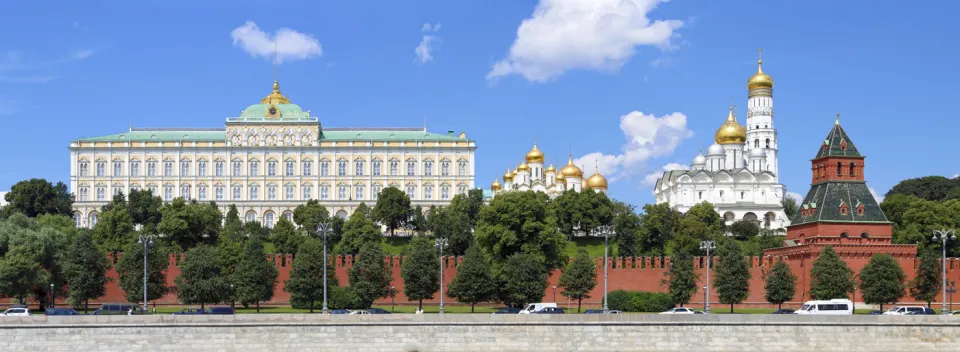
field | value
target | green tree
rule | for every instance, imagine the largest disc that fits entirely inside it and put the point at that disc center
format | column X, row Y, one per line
column 780, row 285
column 256, row 277
column 305, row 284
column 392, row 209
column 38, row 196
column 201, row 280
column 626, row 229
column 231, row 242
column 232, row 226
column 421, row 271
column 253, row 230
column 190, row 224
column 308, row 216
column 521, row 279
column 357, row 231
column 579, row 277
column 114, row 228
column 19, row 274
column 144, row 208
column 882, row 280
column 732, row 280
column 130, row 270
column 926, row 285
column 285, row 237
column 681, row 279
column 469, row 204
column 369, row 276
column 446, row 222
column 934, row 188
column 830, row 277
column 474, row 282
column 85, row 270
column 790, row 206
column 519, row 222
column 418, row 221
column 659, row 223
column 585, row 211
column 744, row 229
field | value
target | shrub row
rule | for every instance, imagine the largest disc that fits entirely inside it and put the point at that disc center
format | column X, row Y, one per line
column 639, row 301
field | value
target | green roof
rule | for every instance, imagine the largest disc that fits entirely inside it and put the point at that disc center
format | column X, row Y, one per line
column 384, row 134
column 824, row 200
column 219, row 134
column 287, row 112
column 162, row 134
column 838, row 143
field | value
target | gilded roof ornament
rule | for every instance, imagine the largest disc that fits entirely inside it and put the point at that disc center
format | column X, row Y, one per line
column 275, row 97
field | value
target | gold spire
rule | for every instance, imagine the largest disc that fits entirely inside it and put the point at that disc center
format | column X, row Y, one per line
column 760, row 79
column 275, row 97
column 731, row 132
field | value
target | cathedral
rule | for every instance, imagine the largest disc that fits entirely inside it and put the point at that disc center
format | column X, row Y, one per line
column 532, row 176
column 739, row 174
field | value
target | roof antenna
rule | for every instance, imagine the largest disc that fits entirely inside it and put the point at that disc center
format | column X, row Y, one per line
column 276, row 59
column 837, row 122
column 424, row 122
column 131, row 125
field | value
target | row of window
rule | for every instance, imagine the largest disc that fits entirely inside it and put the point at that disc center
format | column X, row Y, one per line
column 343, row 192
column 253, row 168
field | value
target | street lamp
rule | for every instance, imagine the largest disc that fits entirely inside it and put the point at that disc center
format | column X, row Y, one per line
column 707, row 246
column 393, row 294
column 943, row 236
column 323, row 229
column 440, row 243
column 232, row 297
column 606, row 230
column 554, row 293
column 53, row 296
column 146, row 241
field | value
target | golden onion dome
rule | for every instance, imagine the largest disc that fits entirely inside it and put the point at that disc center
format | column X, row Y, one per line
column 550, row 169
column 731, row 132
column 523, row 167
column 495, row 186
column 559, row 178
column 508, row 176
column 597, row 181
column 571, row 170
column 534, row 155
column 760, row 79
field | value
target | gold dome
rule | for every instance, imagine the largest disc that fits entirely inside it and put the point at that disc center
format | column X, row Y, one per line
column 523, row 167
column 731, row 132
column 275, row 97
column 508, row 176
column 550, row 169
column 534, row 155
column 597, row 181
column 559, row 178
column 760, row 79
column 571, row 170
column 495, row 186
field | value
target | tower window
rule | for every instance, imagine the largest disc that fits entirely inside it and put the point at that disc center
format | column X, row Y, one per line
column 768, row 143
column 700, row 195
column 853, row 169
column 757, row 127
column 839, row 169
column 741, row 195
column 756, row 143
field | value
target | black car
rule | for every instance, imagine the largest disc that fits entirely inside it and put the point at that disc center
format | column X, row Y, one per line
column 339, row 311
column 508, row 310
column 783, row 311
column 220, row 310
column 190, row 311
column 61, row 311
column 118, row 309
column 550, row 310
column 600, row 311
column 377, row 311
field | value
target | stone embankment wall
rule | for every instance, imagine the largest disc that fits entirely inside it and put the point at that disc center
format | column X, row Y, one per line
column 629, row 332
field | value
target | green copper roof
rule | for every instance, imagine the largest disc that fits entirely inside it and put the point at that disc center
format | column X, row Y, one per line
column 824, row 201
column 287, row 112
column 384, row 134
column 162, row 134
column 838, row 144
column 329, row 134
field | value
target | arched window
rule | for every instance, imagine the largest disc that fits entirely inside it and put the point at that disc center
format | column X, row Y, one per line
column 750, row 216
column 729, row 216
column 342, row 214
column 756, row 143
column 839, row 169
column 853, row 169
column 864, row 235
column 768, row 143
column 844, row 235
column 268, row 219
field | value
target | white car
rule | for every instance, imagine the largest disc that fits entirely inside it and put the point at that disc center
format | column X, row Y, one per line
column 359, row 312
column 906, row 310
column 679, row 310
column 17, row 312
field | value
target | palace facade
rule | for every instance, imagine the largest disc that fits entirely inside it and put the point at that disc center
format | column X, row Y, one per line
column 270, row 159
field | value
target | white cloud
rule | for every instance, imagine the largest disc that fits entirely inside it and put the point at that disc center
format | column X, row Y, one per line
column 585, row 34
column 81, row 54
column 425, row 48
column 796, row 196
column 287, row 44
column 651, row 178
column 647, row 136
column 955, row 176
column 877, row 196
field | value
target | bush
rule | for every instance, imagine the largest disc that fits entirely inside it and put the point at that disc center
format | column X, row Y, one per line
column 342, row 298
column 620, row 300
column 638, row 301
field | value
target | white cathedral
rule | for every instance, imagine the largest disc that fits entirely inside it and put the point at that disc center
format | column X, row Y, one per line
column 739, row 173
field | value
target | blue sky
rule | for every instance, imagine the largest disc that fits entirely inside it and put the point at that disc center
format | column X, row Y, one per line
column 70, row 70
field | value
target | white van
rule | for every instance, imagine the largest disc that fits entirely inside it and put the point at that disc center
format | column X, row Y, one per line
column 536, row 307
column 831, row 307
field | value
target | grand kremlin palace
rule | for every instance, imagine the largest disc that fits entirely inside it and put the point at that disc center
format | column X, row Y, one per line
column 270, row 159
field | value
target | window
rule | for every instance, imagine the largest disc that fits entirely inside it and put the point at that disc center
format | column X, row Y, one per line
column 202, row 168
column 699, row 194
column 288, row 215
column 376, row 192
column 768, row 143
column 444, row 192
column 271, row 168
column 288, row 192
column 428, row 168
column 756, row 143
column 288, row 168
column 741, row 194
column 218, row 168
column 445, row 168
column 358, row 167
column 151, row 168
column 134, row 188
column 342, row 168
column 307, row 168
column 153, row 190
column 251, row 216
column 218, row 193
column 134, row 168
column 254, row 168
column 411, row 168
column 839, row 169
column 358, row 192
column 428, row 192
column 254, row 193
column 84, row 168
column 237, row 166
column 860, row 209
column 117, row 189
column 376, row 167
column 843, row 209
column 168, row 193
column 853, row 169
column 77, row 219
column 324, row 192
column 461, row 189
column 202, row 192
column 93, row 220
column 462, row 168
column 117, row 168
column 394, row 166
column 268, row 220
column 721, row 195
column 412, row 191
column 83, row 193
column 168, row 168
column 324, row 168
column 307, row 192
column 272, row 192
column 185, row 191
column 341, row 192
column 101, row 165
column 236, row 192
column 184, row 168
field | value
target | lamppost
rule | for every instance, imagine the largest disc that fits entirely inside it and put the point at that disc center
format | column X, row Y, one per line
column 707, row 246
column 53, row 296
column 554, row 293
column 943, row 236
column 323, row 229
column 606, row 229
column 232, row 297
column 146, row 241
column 440, row 243
column 393, row 294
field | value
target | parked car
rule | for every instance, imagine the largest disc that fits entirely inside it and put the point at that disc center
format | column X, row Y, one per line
column 378, row 311
column 17, row 312
column 925, row 311
column 600, row 311
column 875, row 312
column 190, row 311
column 339, row 311
column 118, row 309
column 783, row 311
column 956, row 312
column 220, row 310
column 831, row 307
column 908, row 310
column 61, row 311
column 679, row 310
column 536, row 307
column 550, row 310
column 359, row 312
column 508, row 310
column 698, row 312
